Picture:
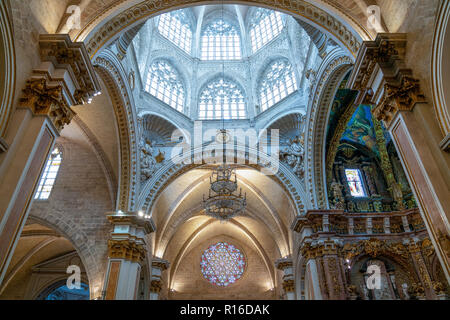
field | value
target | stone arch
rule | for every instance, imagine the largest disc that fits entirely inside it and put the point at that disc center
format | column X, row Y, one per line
column 332, row 72
column 342, row 28
column 440, row 65
column 70, row 230
column 170, row 171
column 114, row 77
column 7, row 69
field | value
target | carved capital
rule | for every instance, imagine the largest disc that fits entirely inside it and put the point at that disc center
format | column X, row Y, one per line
column 160, row 264
column 156, row 286
column 289, row 285
column 398, row 96
column 45, row 99
column 126, row 249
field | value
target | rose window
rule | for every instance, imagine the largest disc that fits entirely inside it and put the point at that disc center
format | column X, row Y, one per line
column 222, row 264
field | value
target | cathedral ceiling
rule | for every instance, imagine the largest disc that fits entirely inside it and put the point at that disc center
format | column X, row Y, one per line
column 179, row 216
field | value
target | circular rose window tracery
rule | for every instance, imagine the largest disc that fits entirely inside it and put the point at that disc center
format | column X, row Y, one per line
column 222, row 264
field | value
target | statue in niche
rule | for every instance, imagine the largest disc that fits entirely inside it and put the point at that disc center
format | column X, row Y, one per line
column 338, row 195
column 148, row 163
column 293, row 156
column 311, row 75
column 397, row 194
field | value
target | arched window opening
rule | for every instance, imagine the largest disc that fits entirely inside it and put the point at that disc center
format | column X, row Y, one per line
column 49, row 176
column 176, row 28
column 277, row 83
column 220, row 41
column 265, row 26
column 163, row 82
column 222, row 99
column 355, row 184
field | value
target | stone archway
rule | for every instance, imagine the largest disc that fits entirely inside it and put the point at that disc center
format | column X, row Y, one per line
column 440, row 77
column 7, row 70
column 317, row 118
column 341, row 27
column 107, row 66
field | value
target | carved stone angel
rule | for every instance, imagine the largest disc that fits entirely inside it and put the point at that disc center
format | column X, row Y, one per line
column 148, row 163
column 293, row 156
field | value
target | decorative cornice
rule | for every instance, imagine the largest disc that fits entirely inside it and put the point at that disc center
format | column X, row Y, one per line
column 61, row 51
column 399, row 90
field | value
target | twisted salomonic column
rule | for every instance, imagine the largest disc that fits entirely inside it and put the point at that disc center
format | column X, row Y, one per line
column 286, row 266
column 64, row 78
column 127, row 252
column 156, row 284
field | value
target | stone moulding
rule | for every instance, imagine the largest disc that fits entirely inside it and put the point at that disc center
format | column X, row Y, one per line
column 97, row 37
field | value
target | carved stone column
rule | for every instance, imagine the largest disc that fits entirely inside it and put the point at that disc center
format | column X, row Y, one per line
column 126, row 253
column 65, row 78
column 398, row 98
column 158, row 267
column 329, row 266
column 286, row 266
column 421, row 270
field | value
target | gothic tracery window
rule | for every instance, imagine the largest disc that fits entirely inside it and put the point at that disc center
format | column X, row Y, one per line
column 163, row 82
column 175, row 27
column 354, row 181
column 49, row 176
column 222, row 99
column 277, row 83
column 264, row 26
column 220, row 41
column 222, row 264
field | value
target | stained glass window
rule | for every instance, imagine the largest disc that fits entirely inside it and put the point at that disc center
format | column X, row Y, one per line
column 355, row 182
column 265, row 26
column 48, row 178
column 164, row 83
column 222, row 98
column 277, row 83
column 220, row 41
column 175, row 27
column 222, row 264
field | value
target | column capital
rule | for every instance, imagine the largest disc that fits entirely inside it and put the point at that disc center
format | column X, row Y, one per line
column 65, row 78
column 160, row 264
column 284, row 263
column 128, row 235
column 399, row 94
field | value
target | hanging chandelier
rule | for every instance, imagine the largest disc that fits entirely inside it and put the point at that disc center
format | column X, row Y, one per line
column 223, row 201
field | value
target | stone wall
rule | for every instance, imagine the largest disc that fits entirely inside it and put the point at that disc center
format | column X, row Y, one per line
column 189, row 282
column 77, row 207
